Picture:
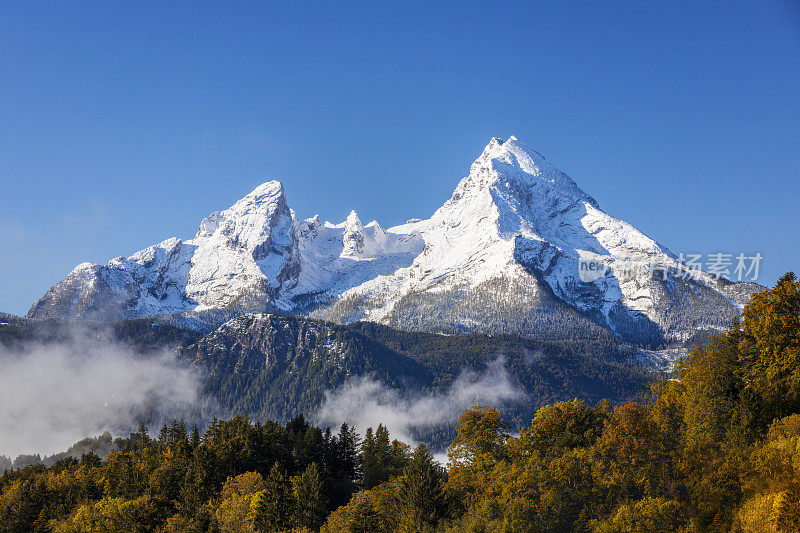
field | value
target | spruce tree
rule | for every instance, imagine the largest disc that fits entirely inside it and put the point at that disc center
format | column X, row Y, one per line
column 310, row 507
column 272, row 507
column 421, row 499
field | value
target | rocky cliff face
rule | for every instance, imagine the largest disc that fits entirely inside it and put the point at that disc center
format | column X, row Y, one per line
column 502, row 255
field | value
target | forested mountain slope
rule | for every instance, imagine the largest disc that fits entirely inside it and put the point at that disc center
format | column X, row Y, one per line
column 278, row 366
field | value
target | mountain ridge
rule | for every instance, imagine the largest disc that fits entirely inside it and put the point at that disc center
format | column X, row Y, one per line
column 511, row 237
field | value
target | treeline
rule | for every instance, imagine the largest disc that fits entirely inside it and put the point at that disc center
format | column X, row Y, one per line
column 716, row 450
column 101, row 445
column 236, row 476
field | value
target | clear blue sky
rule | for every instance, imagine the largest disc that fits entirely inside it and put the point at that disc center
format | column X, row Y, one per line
column 124, row 123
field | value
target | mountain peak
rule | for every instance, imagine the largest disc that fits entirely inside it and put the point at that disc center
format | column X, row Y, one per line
column 497, row 145
column 268, row 188
column 514, row 153
column 353, row 239
column 249, row 223
column 352, row 220
column 498, row 256
column 263, row 196
column 511, row 169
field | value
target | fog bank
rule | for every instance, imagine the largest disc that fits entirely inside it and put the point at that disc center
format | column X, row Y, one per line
column 365, row 402
column 53, row 395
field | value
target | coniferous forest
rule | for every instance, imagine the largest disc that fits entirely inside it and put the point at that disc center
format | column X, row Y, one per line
column 716, row 448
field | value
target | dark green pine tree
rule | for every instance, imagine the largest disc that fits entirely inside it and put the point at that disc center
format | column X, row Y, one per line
column 344, row 465
column 370, row 462
column 163, row 435
column 310, row 505
column 381, row 460
column 421, row 499
column 142, row 438
column 273, row 506
column 349, row 458
column 194, row 441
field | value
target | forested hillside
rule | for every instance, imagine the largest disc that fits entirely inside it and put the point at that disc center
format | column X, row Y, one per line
column 7, row 318
column 275, row 367
column 715, row 450
column 143, row 335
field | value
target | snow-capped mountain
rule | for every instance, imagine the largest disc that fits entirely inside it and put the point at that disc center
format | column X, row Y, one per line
column 502, row 255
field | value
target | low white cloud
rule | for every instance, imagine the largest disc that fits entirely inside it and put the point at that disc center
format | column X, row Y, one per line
column 53, row 395
column 365, row 402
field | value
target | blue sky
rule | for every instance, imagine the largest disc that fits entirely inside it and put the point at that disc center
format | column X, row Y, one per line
column 122, row 124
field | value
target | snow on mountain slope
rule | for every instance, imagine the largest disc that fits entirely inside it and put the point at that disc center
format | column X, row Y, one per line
column 336, row 257
column 239, row 258
column 254, row 256
column 509, row 242
column 502, row 255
